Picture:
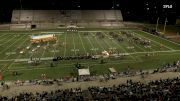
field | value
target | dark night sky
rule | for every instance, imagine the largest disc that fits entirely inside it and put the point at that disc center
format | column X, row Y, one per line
column 131, row 9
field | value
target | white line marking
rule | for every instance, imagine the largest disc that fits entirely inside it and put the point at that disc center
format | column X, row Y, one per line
column 106, row 42
column 65, row 45
column 6, row 41
column 18, row 46
column 91, row 44
column 54, row 47
column 156, row 52
column 74, row 44
column 2, row 35
column 82, row 42
column 17, row 56
column 155, row 45
column 122, row 48
column 168, row 51
column 44, row 50
column 134, row 45
column 139, row 46
column 99, row 43
column 11, row 45
column 154, row 41
column 161, row 38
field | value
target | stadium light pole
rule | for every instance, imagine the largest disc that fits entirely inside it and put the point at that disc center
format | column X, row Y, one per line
column 113, row 4
column 20, row 4
column 157, row 24
column 165, row 25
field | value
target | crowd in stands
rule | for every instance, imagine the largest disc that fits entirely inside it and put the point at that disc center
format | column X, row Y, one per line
column 174, row 67
column 58, row 95
column 168, row 90
column 159, row 90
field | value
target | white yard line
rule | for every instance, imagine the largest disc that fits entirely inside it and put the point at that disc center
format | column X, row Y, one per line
column 8, row 60
column 107, row 42
column 18, row 46
column 92, row 47
column 43, row 53
column 154, row 41
column 91, row 31
column 134, row 48
column 7, row 64
column 6, row 41
column 122, row 48
column 3, row 35
column 139, row 46
column 65, row 44
column 54, row 48
column 18, row 57
column 82, row 43
column 11, row 45
column 51, row 32
column 168, row 51
column 74, row 44
column 11, row 59
column 99, row 43
column 147, row 39
column 27, row 50
column 32, row 53
column 54, row 52
column 161, row 38
column 102, row 30
column 44, row 50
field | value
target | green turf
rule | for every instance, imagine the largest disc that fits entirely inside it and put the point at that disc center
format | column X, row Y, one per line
column 76, row 43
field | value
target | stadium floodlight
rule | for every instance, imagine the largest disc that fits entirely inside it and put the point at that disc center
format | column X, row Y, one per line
column 165, row 25
column 157, row 24
column 113, row 4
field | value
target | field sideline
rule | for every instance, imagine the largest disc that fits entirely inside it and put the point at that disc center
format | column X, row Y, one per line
column 81, row 43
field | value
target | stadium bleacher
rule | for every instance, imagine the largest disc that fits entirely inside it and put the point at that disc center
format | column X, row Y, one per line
column 44, row 19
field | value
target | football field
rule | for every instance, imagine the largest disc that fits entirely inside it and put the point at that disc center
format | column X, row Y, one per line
column 125, row 51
